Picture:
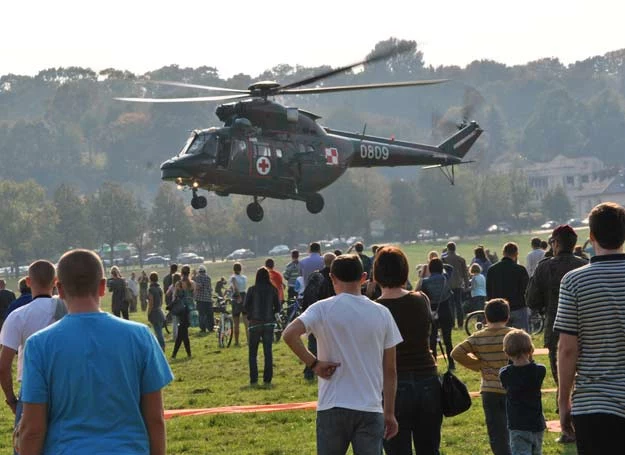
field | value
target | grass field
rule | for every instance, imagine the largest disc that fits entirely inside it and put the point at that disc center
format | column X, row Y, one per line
column 219, row 377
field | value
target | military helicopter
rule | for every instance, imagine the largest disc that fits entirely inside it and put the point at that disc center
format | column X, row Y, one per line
column 267, row 150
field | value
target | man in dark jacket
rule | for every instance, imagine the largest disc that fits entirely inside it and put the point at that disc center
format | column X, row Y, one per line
column 6, row 298
column 543, row 290
column 508, row 280
column 459, row 280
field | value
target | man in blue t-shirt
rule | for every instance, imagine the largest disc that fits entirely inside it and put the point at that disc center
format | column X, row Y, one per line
column 92, row 382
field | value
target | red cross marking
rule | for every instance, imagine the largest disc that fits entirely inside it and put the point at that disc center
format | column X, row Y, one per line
column 263, row 165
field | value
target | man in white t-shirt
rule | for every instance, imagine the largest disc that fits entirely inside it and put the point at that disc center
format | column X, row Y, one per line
column 356, row 341
column 22, row 323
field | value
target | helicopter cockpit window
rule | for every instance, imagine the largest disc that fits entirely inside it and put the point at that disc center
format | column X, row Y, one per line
column 310, row 149
column 278, row 153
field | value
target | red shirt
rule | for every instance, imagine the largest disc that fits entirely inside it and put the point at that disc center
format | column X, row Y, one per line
column 277, row 281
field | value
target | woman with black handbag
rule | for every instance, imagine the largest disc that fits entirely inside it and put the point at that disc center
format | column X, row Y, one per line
column 418, row 407
column 437, row 288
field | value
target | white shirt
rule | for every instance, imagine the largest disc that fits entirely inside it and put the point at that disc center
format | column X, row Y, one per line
column 533, row 258
column 133, row 285
column 354, row 331
column 25, row 321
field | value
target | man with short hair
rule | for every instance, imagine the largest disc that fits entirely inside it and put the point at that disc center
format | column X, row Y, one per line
column 167, row 280
column 543, row 291
column 291, row 272
column 312, row 262
column 356, row 340
column 83, row 395
column 276, row 278
column 204, row 299
column 534, row 256
column 6, row 298
column 22, row 323
column 366, row 260
column 458, row 282
column 508, row 280
column 591, row 319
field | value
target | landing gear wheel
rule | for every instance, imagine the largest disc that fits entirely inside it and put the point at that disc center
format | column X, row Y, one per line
column 195, row 203
column 255, row 211
column 202, row 202
column 314, row 203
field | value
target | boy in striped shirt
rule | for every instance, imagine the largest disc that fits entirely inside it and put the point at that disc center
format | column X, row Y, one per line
column 483, row 352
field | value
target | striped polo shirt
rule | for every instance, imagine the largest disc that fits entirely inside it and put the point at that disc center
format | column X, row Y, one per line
column 592, row 307
column 486, row 347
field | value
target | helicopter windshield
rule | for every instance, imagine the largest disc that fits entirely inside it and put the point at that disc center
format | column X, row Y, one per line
column 200, row 143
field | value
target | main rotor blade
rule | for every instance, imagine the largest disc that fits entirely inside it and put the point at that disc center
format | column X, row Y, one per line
column 198, row 99
column 201, row 87
column 342, row 69
column 346, row 88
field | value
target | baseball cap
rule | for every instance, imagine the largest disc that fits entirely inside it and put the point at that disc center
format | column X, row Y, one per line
column 201, row 269
column 563, row 229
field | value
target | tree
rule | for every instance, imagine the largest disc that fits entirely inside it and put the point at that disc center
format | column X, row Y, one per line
column 27, row 220
column 171, row 226
column 520, row 195
column 115, row 214
column 74, row 229
column 213, row 225
column 556, row 205
column 404, row 219
column 143, row 240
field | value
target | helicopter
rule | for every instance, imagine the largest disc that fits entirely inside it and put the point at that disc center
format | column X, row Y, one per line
column 267, row 150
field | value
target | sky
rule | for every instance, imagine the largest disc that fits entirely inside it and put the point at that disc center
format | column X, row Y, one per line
column 248, row 37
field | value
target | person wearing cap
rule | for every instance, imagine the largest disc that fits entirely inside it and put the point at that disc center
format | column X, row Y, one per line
column 204, row 299
column 543, row 291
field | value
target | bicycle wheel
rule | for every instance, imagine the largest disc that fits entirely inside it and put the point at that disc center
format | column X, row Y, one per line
column 220, row 333
column 228, row 329
column 537, row 323
column 475, row 321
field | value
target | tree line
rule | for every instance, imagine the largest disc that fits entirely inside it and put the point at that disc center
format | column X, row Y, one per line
column 37, row 225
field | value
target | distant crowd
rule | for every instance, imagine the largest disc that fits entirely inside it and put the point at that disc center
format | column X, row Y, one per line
column 92, row 381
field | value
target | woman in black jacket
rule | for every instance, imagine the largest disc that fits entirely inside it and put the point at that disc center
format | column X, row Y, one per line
column 261, row 305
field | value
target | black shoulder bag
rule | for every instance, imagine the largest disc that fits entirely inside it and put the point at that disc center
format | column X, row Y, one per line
column 454, row 393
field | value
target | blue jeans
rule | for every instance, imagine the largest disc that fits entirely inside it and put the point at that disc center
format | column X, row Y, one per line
column 456, row 306
column 338, row 427
column 419, row 414
column 494, row 405
column 520, row 319
column 526, row 442
column 257, row 333
column 158, row 331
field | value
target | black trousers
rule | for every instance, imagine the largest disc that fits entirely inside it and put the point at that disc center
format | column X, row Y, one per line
column 182, row 337
column 599, row 434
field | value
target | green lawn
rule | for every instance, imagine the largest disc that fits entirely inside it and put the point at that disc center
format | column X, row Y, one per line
column 219, row 377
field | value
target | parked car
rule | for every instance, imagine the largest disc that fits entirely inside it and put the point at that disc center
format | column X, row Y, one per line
column 549, row 224
column 499, row 228
column 155, row 260
column 575, row 222
column 279, row 250
column 241, row 253
column 190, row 258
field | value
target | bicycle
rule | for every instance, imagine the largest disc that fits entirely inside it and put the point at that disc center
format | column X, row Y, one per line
column 285, row 316
column 224, row 324
column 477, row 321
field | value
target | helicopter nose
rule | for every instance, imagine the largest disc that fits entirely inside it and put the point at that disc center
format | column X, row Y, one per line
column 172, row 170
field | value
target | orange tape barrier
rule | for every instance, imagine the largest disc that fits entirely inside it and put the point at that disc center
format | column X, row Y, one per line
column 243, row 409
column 310, row 405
